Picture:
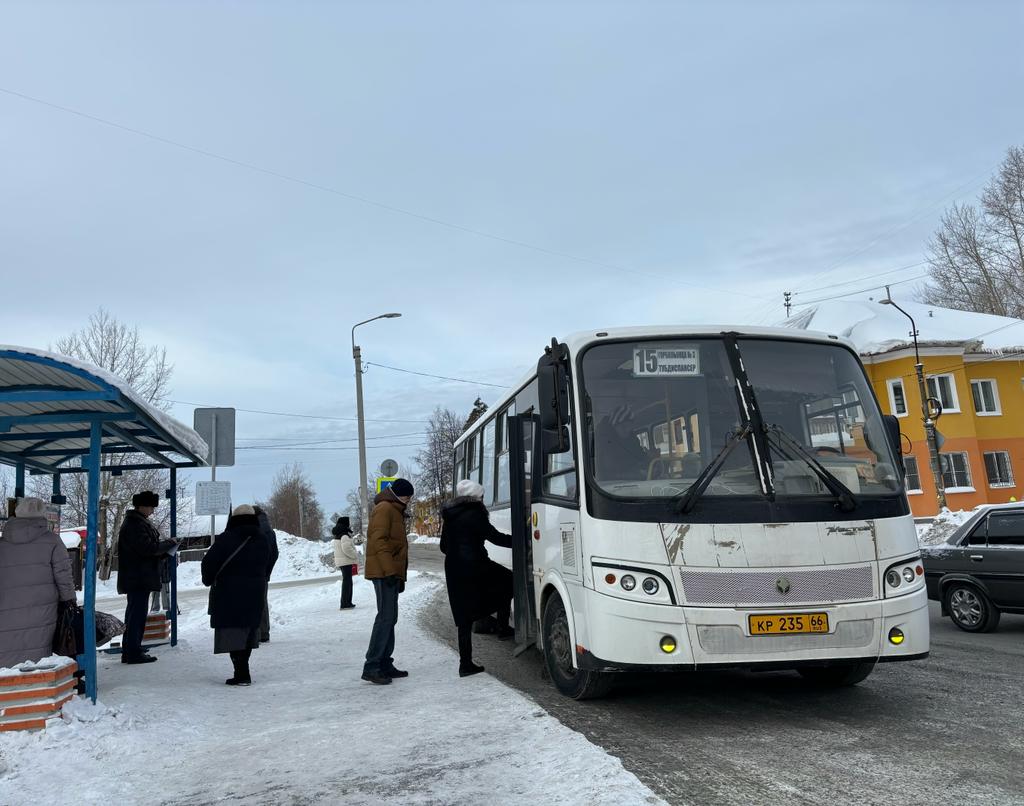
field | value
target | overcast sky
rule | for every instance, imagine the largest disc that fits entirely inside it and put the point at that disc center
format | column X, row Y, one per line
column 670, row 163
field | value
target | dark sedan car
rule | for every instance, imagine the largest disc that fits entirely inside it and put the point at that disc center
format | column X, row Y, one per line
column 978, row 572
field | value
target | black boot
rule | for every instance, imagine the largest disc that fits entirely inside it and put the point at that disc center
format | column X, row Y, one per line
column 467, row 669
column 240, row 660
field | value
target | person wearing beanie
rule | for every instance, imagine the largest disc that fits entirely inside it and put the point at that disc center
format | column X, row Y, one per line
column 387, row 563
column 139, row 552
column 35, row 581
column 477, row 586
column 236, row 569
column 346, row 558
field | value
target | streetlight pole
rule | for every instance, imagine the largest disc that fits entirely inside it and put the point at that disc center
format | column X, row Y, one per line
column 929, row 424
column 357, row 358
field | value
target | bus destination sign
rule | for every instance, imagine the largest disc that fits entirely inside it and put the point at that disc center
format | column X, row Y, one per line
column 666, row 361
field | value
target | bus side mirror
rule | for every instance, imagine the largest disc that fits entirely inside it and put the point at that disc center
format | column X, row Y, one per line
column 892, row 430
column 553, row 398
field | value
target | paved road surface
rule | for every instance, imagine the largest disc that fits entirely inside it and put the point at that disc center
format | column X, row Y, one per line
column 946, row 730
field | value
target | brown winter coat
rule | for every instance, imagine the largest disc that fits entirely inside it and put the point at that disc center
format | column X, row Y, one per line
column 387, row 547
column 35, row 573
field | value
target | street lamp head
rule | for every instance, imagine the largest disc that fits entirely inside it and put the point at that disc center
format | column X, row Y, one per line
column 391, row 316
column 885, row 302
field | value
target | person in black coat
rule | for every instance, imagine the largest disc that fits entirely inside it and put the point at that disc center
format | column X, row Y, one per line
column 236, row 568
column 477, row 586
column 139, row 552
column 271, row 536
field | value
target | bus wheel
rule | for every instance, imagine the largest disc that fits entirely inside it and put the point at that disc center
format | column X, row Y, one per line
column 558, row 655
column 840, row 674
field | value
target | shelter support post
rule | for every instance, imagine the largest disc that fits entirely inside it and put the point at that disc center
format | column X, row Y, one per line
column 92, row 462
column 19, row 480
column 172, row 494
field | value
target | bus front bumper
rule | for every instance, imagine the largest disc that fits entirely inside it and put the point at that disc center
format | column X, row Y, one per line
column 619, row 635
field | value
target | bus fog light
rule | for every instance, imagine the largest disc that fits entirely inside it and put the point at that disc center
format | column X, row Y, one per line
column 668, row 644
column 908, row 574
column 896, row 636
column 628, row 582
column 650, row 586
column 609, row 578
column 892, row 578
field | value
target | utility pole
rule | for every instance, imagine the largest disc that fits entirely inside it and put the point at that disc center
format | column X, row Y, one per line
column 301, row 530
column 931, row 435
column 787, row 297
column 357, row 358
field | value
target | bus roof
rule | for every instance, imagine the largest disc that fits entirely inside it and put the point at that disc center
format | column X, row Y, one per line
column 580, row 339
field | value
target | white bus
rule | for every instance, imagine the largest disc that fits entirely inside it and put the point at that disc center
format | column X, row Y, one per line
column 698, row 498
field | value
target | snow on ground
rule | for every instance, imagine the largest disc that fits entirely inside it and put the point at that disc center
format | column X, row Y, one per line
column 300, row 559
column 309, row 730
column 425, row 539
column 930, row 534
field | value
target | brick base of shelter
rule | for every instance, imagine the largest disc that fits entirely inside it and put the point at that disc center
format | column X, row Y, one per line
column 32, row 698
column 158, row 629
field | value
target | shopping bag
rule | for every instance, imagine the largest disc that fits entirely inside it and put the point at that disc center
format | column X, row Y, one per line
column 64, row 635
column 355, row 569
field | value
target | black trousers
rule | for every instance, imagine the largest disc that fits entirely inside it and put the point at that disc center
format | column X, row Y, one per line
column 382, row 639
column 135, row 623
column 346, row 585
column 465, row 644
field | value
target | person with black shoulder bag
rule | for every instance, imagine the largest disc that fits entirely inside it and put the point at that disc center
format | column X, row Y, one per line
column 236, row 568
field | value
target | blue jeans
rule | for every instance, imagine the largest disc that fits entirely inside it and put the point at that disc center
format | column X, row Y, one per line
column 382, row 639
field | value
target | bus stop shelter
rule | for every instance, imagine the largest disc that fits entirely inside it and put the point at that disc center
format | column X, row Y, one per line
column 59, row 415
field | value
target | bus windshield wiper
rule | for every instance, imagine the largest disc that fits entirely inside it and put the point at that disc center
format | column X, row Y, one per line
column 846, row 499
column 689, row 497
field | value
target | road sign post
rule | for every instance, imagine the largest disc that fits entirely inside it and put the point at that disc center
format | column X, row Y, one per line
column 217, row 427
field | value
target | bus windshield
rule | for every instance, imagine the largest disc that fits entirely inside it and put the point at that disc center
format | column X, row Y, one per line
column 657, row 412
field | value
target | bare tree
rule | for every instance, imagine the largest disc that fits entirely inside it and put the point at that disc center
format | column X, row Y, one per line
column 293, row 506
column 977, row 255
column 114, row 346
column 436, row 460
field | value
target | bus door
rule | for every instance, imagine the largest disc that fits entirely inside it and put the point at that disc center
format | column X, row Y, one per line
column 521, row 432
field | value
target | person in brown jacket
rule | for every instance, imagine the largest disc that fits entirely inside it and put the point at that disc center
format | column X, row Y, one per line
column 386, row 565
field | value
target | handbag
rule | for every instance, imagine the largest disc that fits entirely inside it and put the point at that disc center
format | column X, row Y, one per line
column 213, row 585
column 64, row 642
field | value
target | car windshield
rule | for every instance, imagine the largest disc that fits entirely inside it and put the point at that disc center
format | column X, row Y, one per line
column 658, row 412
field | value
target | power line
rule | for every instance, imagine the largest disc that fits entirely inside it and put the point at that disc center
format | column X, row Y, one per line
column 861, row 279
column 361, row 199
column 439, row 377
column 292, row 414
column 308, row 450
column 860, row 291
column 322, row 441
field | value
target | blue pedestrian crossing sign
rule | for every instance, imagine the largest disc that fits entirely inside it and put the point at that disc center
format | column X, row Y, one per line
column 385, row 482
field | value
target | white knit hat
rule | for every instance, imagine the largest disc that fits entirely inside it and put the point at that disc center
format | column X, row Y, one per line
column 467, row 488
column 243, row 509
column 30, row 508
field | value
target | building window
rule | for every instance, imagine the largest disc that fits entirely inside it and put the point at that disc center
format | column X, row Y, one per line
column 956, row 470
column 997, row 468
column 913, row 474
column 943, row 388
column 986, row 397
column 897, row 398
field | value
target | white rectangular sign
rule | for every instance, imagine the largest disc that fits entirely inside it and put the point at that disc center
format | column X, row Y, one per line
column 213, row 498
column 666, row 361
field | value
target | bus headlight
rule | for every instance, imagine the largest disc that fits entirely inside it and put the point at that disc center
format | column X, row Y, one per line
column 904, row 577
column 650, row 586
column 628, row 582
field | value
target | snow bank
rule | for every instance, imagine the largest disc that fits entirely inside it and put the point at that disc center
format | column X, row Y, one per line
column 424, row 539
column 309, row 730
column 943, row 526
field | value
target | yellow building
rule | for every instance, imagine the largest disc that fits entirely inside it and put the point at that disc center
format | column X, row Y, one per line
column 974, row 365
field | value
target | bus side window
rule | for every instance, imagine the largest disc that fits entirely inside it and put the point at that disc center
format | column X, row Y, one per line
column 560, row 474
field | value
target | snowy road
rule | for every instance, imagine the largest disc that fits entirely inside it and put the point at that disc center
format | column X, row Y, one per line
column 943, row 730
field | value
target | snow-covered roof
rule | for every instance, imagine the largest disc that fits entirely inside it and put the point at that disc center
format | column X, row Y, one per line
column 875, row 328
column 70, row 387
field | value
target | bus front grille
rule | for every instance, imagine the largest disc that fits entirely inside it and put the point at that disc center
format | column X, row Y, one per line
column 848, row 583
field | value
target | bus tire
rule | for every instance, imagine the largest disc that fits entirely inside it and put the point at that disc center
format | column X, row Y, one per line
column 839, row 674
column 578, row 684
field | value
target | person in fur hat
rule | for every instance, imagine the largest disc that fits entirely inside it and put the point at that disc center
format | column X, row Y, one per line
column 477, row 586
column 345, row 558
column 139, row 551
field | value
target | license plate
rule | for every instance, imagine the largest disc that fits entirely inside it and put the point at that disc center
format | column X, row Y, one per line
column 787, row 623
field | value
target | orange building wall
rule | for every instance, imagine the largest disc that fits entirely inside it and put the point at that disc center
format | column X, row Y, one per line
column 964, row 430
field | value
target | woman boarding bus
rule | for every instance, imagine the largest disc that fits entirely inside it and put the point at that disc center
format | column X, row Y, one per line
column 687, row 499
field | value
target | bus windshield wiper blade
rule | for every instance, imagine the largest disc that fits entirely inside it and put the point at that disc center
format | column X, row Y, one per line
column 689, row 497
column 846, row 499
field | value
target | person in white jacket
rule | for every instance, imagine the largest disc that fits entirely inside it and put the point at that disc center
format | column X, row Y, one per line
column 345, row 558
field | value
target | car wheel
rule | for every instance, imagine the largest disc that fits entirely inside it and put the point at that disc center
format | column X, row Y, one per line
column 558, row 656
column 839, row 674
column 970, row 609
